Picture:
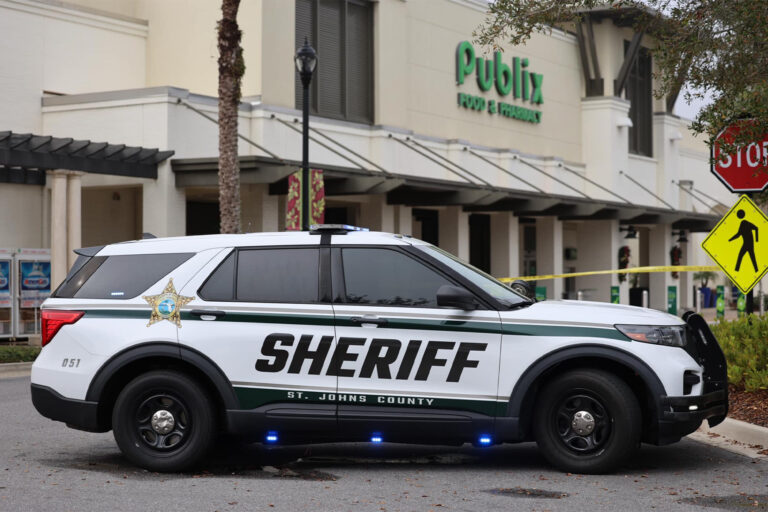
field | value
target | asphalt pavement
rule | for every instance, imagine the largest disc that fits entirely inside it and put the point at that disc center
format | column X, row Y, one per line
column 45, row 466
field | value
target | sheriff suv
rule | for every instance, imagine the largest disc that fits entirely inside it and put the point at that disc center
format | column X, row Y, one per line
column 339, row 334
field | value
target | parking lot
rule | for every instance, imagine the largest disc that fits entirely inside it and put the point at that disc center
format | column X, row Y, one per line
column 46, row 466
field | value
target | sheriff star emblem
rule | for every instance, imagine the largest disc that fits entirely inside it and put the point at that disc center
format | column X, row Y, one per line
column 166, row 306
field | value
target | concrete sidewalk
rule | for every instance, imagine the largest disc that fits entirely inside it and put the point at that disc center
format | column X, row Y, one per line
column 13, row 370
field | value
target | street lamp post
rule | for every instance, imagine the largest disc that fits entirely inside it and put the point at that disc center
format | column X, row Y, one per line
column 306, row 61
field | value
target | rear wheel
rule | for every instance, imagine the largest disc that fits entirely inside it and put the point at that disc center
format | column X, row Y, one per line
column 164, row 421
column 587, row 421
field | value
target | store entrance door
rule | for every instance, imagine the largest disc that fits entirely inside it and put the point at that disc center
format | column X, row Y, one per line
column 480, row 241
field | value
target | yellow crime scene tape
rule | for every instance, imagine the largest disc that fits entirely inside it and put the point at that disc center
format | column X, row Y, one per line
column 634, row 270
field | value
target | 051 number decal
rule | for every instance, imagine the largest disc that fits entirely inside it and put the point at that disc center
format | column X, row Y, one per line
column 70, row 363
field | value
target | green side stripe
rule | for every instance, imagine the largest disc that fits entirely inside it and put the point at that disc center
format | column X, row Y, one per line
column 251, row 398
column 430, row 325
column 268, row 318
column 563, row 330
column 118, row 313
column 393, row 323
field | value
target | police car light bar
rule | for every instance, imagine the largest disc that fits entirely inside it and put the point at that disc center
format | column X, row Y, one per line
column 271, row 437
column 376, row 438
column 485, row 440
column 336, row 229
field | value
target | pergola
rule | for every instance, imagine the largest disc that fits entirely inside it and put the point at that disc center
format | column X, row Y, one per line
column 31, row 159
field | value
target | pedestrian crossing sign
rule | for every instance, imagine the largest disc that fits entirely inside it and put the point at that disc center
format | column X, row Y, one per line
column 739, row 244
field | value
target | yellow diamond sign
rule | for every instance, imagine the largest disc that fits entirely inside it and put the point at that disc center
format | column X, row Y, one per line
column 739, row 244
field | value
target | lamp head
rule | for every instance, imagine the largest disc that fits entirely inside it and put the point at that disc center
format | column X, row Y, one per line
column 306, row 62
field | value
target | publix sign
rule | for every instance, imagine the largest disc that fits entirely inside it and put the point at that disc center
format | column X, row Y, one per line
column 511, row 81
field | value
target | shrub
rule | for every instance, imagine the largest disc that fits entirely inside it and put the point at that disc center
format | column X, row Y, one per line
column 18, row 354
column 745, row 343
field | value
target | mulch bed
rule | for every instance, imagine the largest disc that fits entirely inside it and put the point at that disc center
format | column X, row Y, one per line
column 750, row 406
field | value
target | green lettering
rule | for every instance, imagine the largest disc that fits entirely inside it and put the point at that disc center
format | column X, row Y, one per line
column 526, row 91
column 484, row 74
column 465, row 61
column 516, row 70
column 503, row 75
column 536, row 79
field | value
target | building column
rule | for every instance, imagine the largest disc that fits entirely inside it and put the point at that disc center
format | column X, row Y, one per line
column 58, row 181
column 505, row 253
column 666, row 134
column 549, row 254
column 259, row 210
column 74, row 218
column 659, row 245
column 164, row 205
column 376, row 214
column 404, row 220
column 453, row 231
column 599, row 242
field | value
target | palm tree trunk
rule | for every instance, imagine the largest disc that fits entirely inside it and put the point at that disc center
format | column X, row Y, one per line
column 231, row 70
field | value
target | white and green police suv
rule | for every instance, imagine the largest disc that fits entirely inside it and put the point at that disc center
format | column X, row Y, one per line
column 344, row 335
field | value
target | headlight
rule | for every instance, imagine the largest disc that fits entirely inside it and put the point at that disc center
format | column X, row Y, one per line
column 670, row 335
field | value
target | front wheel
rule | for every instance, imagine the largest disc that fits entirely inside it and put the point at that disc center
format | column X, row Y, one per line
column 587, row 421
column 164, row 421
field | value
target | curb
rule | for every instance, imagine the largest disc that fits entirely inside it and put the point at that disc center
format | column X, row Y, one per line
column 10, row 370
column 735, row 436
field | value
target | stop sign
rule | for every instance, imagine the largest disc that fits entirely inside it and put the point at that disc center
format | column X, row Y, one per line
column 745, row 170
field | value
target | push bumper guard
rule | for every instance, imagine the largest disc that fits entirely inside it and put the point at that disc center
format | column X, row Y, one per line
column 681, row 415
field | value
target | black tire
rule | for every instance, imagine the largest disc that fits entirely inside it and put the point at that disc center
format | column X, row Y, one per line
column 169, row 445
column 613, row 413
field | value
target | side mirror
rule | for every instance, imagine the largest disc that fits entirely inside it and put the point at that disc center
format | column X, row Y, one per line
column 524, row 288
column 455, row 297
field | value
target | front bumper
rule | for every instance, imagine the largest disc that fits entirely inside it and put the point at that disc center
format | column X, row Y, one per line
column 682, row 415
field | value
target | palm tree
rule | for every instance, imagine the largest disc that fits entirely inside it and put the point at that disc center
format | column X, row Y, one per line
column 231, row 70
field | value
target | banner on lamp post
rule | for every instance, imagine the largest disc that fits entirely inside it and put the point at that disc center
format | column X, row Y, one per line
column 293, row 211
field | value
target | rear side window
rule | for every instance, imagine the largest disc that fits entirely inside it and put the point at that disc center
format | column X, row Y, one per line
column 278, row 275
column 119, row 277
column 266, row 275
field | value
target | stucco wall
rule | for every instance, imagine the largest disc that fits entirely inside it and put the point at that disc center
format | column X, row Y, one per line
column 111, row 215
column 22, row 216
column 45, row 48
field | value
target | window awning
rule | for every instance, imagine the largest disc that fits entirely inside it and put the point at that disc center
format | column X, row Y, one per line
column 25, row 157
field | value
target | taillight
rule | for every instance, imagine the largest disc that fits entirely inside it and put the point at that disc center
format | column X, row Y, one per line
column 55, row 319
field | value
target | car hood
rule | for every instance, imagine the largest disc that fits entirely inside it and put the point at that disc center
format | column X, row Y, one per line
column 572, row 312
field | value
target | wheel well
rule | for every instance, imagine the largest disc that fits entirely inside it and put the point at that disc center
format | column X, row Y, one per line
column 625, row 373
column 130, row 371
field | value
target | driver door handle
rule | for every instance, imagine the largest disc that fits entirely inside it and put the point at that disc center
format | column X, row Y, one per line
column 368, row 319
column 207, row 314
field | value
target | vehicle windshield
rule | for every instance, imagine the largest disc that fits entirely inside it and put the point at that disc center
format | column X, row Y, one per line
column 489, row 284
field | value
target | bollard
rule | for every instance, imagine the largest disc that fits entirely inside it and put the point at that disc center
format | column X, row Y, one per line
column 579, row 295
column 645, row 298
column 699, row 298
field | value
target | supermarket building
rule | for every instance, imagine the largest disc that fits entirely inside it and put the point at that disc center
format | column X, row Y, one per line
column 539, row 159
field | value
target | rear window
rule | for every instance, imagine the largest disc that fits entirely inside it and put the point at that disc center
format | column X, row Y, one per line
column 119, row 277
column 278, row 275
column 283, row 275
